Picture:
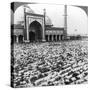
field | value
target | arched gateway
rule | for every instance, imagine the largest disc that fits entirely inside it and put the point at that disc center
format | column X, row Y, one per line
column 35, row 31
column 36, row 27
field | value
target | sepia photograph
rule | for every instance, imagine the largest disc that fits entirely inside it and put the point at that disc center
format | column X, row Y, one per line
column 49, row 44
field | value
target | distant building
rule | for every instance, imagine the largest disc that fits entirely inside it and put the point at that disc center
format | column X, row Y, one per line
column 36, row 28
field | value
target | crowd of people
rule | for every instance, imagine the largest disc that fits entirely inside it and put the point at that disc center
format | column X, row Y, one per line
column 50, row 63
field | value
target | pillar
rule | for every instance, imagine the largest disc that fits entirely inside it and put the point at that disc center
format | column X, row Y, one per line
column 43, row 36
column 43, row 32
column 43, row 26
column 52, row 37
column 23, row 38
column 48, row 37
column 65, row 22
column 17, row 39
column 62, row 37
column 59, row 37
column 27, row 30
column 56, row 37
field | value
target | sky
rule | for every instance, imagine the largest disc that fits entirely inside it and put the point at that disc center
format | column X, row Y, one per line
column 77, row 20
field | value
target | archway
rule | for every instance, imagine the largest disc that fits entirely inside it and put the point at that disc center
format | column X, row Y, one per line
column 61, row 37
column 32, row 36
column 13, row 39
column 35, row 31
column 46, row 37
column 20, row 38
column 57, row 37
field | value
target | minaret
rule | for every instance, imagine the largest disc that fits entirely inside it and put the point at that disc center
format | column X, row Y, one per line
column 24, row 31
column 44, row 17
column 43, row 34
column 24, row 18
column 65, row 21
column 25, row 27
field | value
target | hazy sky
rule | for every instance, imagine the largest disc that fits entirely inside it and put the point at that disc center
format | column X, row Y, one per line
column 77, row 20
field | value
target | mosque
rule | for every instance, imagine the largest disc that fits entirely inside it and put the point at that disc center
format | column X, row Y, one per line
column 37, row 28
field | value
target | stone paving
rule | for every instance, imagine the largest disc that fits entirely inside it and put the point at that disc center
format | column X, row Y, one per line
column 50, row 64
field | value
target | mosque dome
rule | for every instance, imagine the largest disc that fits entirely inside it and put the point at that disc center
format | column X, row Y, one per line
column 48, row 21
column 29, row 10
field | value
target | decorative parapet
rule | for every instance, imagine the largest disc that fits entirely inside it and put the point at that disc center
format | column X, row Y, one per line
column 54, row 32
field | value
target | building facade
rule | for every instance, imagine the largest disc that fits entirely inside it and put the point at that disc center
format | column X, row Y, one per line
column 36, row 28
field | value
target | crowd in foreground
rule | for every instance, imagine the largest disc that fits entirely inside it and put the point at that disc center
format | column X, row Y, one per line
column 50, row 63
